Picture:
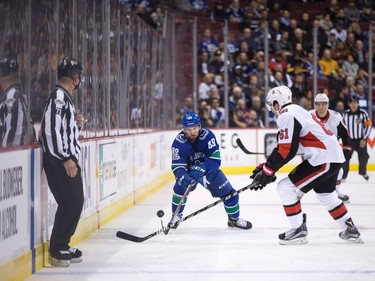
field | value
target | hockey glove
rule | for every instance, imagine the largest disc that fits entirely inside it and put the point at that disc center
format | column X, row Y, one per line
column 185, row 180
column 256, row 170
column 264, row 177
column 198, row 172
column 348, row 152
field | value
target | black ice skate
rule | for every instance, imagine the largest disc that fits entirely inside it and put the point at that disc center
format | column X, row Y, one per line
column 295, row 235
column 76, row 255
column 343, row 197
column 351, row 233
column 60, row 258
column 239, row 223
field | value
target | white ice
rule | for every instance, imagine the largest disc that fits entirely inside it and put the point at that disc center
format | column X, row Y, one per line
column 204, row 248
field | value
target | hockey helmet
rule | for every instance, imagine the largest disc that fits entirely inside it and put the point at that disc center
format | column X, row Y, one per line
column 321, row 98
column 191, row 119
column 281, row 94
column 69, row 68
column 8, row 66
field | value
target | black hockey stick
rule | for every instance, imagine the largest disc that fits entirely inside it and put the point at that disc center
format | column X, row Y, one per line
column 138, row 239
column 163, row 229
column 244, row 149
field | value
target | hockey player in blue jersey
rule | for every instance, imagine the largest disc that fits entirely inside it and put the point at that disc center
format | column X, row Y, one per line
column 196, row 159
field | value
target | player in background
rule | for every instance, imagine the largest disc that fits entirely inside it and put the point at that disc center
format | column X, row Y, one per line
column 333, row 121
column 298, row 130
column 196, row 159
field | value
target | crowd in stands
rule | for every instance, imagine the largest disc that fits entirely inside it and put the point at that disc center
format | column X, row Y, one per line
column 343, row 57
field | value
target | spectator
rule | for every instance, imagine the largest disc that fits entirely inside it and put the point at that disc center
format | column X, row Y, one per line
column 339, row 31
column 234, row 97
column 143, row 14
column 188, row 106
column 340, row 53
column 253, row 120
column 256, row 104
column 362, row 97
column 309, row 66
column 325, row 23
column 217, row 113
column 362, row 77
column 350, row 67
column 328, row 65
column 198, row 5
column 239, row 115
column 205, row 115
column 236, row 76
column 203, row 64
column 352, row 13
column 342, row 96
column 359, row 53
column 234, row 13
column 285, row 20
column 284, row 45
column 158, row 18
column 305, row 23
column 205, row 86
column 208, row 43
column 339, row 81
column 356, row 30
column 299, row 87
column 218, row 13
column 332, row 9
column 339, row 107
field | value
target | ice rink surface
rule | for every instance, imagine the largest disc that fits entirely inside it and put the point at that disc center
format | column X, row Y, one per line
column 204, row 248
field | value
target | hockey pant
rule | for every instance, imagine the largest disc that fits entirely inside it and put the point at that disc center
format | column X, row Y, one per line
column 322, row 179
column 219, row 186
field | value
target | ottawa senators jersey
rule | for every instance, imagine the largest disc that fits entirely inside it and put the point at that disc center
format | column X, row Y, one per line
column 299, row 130
column 333, row 122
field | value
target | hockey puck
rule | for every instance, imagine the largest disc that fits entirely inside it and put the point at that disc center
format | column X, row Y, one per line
column 160, row 213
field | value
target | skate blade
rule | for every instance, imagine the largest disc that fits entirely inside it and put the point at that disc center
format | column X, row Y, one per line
column 297, row 241
column 357, row 240
column 76, row 260
column 59, row 263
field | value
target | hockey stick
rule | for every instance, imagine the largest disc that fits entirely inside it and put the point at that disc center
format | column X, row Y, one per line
column 166, row 229
column 244, row 149
column 138, row 239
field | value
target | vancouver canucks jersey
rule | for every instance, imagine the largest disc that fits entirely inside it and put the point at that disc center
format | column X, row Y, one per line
column 185, row 154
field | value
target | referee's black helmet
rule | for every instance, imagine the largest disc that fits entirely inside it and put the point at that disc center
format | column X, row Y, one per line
column 8, row 66
column 69, row 68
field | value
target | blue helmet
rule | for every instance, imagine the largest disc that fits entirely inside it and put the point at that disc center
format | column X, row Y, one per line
column 191, row 119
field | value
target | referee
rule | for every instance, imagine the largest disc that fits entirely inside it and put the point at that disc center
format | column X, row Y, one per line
column 359, row 126
column 59, row 136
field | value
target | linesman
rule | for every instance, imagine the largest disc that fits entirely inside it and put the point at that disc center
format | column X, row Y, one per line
column 14, row 123
column 59, row 136
column 359, row 126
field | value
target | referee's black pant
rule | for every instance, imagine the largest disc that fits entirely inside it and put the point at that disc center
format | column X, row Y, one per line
column 68, row 193
column 362, row 158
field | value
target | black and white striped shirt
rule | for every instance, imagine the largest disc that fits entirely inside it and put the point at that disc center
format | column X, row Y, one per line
column 358, row 123
column 59, row 131
column 13, row 117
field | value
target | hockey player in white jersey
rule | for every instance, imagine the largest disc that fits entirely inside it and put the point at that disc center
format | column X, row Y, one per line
column 299, row 130
column 333, row 121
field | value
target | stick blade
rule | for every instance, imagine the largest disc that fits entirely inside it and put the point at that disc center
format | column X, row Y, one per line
column 130, row 237
column 242, row 147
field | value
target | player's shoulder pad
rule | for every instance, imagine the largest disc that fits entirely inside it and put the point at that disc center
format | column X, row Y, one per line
column 181, row 138
column 204, row 133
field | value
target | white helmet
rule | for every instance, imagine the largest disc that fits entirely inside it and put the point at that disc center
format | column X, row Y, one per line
column 321, row 98
column 281, row 94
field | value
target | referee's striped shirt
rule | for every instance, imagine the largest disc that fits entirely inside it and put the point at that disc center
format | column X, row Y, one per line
column 59, row 131
column 13, row 117
column 358, row 123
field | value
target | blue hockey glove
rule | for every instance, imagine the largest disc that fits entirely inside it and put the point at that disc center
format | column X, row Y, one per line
column 348, row 152
column 256, row 170
column 198, row 172
column 185, row 180
column 264, row 177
